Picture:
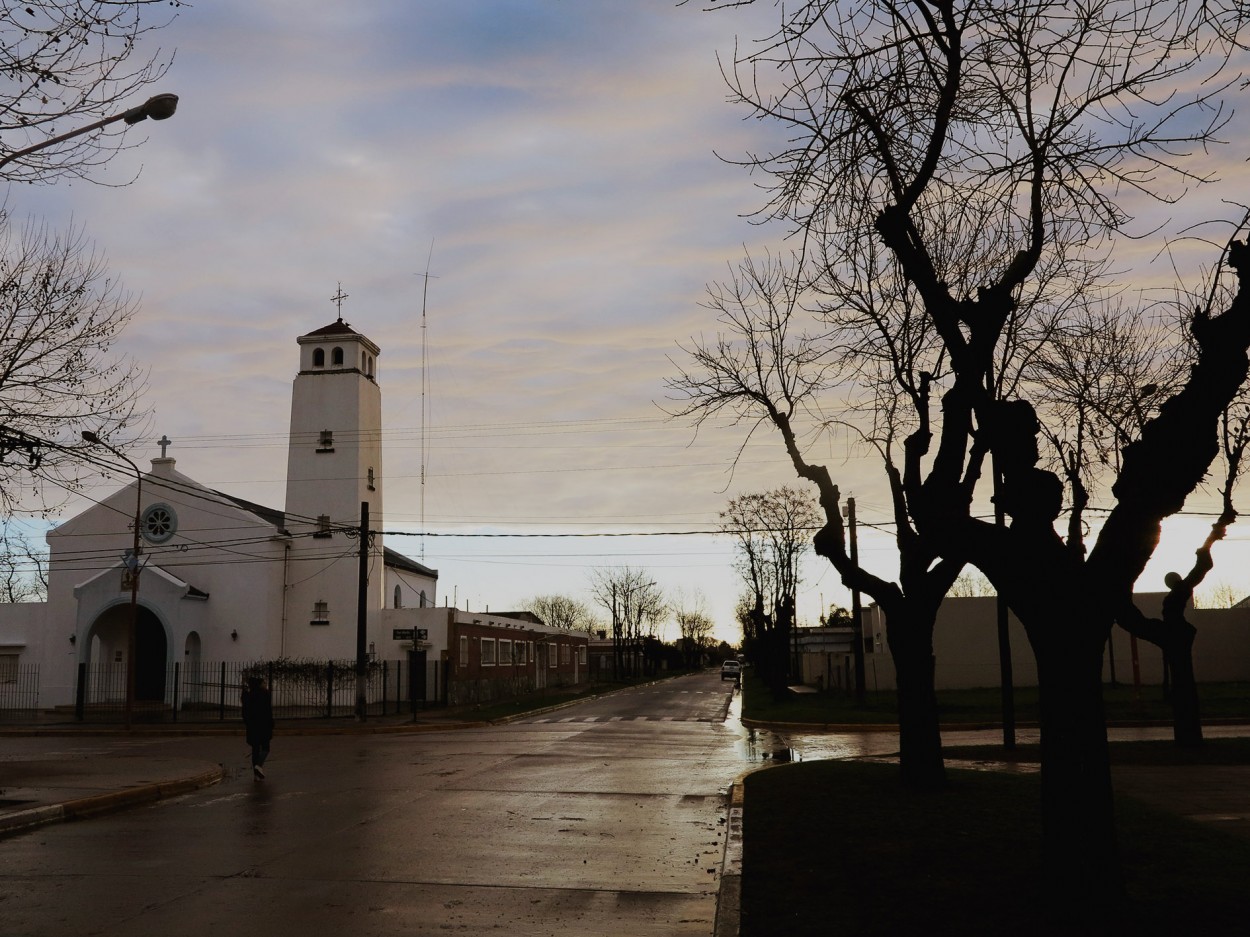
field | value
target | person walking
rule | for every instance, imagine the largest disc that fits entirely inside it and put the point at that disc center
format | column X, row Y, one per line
column 258, row 721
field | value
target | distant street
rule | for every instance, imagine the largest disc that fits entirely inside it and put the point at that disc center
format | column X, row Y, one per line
column 601, row 818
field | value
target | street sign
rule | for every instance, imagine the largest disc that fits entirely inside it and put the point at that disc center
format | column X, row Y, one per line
column 401, row 634
column 422, row 634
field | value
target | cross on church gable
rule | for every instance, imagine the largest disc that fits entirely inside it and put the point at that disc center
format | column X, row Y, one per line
column 164, row 442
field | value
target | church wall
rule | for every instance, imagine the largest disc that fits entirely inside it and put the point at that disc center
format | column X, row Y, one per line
column 415, row 590
column 232, row 555
column 23, row 632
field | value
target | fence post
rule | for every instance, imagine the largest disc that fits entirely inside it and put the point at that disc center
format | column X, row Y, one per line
column 329, row 689
column 385, row 671
column 221, row 706
column 177, row 676
column 80, row 693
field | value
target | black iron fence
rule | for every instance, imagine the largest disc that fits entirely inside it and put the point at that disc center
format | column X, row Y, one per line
column 207, row 692
column 19, row 691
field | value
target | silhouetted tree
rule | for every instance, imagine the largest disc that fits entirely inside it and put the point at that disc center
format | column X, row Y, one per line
column 635, row 603
column 989, row 148
column 772, row 531
column 694, row 626
column 779, row 362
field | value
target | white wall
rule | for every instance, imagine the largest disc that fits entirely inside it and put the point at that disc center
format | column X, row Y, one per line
column 965, row 642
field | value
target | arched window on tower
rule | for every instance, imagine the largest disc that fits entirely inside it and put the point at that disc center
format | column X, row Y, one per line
column 421, row 599
column 319, row 358
column 336, row 356
column 399, row 598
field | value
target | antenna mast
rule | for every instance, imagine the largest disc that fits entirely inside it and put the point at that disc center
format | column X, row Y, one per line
column 425, row 383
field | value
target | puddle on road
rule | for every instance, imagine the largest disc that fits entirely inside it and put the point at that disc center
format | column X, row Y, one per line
column 760, row 745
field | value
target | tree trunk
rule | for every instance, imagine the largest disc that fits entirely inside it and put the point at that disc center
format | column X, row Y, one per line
column 919, row 733
column 1080, row 857
column 1186, row 713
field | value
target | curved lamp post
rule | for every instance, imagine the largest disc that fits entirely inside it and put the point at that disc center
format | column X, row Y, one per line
column 133, row 564
column 158, row 107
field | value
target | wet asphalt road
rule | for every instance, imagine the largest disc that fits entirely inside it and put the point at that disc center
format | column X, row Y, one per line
column 603, row 818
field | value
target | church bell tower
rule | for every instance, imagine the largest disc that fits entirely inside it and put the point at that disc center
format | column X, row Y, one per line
column 334, row 464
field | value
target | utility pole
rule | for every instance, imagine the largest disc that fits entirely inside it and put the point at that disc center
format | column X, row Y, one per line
column 1005, row 678
column 362, row 615
column 616, row 639
column 857, row 610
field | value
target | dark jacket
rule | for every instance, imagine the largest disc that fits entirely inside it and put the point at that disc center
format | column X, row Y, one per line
column 258, row 715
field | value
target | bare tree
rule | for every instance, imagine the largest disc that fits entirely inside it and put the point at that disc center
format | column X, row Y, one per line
column 987, row 146
column 63, row 63
column 694, row 626
column 970, row 584
column 59, row 316
column 772, row 531
column 70, row 62
column 562, row 611
column 636, row 605
column 779, row 363
column 23, row 569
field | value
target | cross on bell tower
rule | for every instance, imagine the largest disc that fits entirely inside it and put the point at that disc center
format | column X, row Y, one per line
column 337, row 299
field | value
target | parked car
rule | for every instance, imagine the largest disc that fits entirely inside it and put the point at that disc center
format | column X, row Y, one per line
column 730, row 670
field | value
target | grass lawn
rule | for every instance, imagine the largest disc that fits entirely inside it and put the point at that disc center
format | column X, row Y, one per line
column 978, row 706
column 835, row 847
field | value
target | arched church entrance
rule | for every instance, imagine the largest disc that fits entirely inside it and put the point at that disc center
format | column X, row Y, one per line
column 151, row 654
column 109, row 639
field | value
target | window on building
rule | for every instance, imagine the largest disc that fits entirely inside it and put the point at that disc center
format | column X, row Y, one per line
column 325, row 440
column 319, row 358
column 421, row 599
column 336, row 356
column 323, row 526
column 8, row 668
column 464, row 650
column 505, row 651
column 581, row 655
column 371, row 486
column 399, row 597
column 488, row 652
column 551, row 655
column 564, row 653
column 320, row 613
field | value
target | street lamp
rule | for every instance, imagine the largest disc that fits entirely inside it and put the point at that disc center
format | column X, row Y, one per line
column 158, row 107
column 133, row 564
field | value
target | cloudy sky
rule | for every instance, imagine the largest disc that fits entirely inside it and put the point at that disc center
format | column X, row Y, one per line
column 553, row 165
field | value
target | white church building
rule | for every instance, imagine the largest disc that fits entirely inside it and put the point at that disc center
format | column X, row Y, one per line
column 225, row 579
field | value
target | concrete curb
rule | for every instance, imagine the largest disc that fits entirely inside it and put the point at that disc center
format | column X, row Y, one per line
column 99, row 804
column 729, row 895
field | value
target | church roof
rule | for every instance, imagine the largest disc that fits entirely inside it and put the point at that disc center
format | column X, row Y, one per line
column 268, row 515
column 335, row 328
column 399, row 561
